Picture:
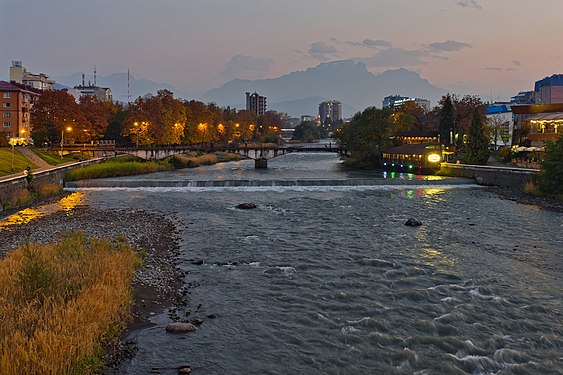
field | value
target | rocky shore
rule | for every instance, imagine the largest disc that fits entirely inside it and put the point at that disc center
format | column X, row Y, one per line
column 520, row 196
column 158, row 284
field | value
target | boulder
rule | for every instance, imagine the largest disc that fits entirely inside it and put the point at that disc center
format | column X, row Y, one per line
column 198, row 261
column 179, row 327
column 246, row 206
column 412, row 222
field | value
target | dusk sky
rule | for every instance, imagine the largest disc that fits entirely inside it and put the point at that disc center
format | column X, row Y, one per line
column 481, row 47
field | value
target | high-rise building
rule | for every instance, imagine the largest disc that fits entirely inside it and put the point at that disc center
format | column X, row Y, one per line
column 17, row 101
column 330, row 111
column 549, row 90
column 18, row 74
column 396, row 100
column 256, row 103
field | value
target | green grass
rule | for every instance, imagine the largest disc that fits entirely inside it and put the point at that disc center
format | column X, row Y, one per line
column 20, row 162
column 116, row 168
column 53, row 158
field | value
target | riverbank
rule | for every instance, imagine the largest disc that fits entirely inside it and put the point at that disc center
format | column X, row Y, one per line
column 517, row 195
column 157, row 283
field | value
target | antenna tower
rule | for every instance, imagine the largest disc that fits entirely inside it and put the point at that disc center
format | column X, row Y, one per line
column 94, row 75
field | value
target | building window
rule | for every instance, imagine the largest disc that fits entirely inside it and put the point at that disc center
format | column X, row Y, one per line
column 7, row 125
column 6, row 114
column 6, row 105
column 7, row 95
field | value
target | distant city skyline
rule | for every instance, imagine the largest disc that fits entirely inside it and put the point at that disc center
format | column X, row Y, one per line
column 493, row 49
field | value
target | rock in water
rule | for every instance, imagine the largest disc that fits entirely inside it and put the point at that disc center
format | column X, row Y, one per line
column 185, row 370
column 246, row 206
column 180, row 327
column 412, row 222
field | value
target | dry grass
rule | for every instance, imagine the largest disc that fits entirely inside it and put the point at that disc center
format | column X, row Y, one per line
column 59, row 303
column 192, row 160
column 530, row 188
column 47, row 190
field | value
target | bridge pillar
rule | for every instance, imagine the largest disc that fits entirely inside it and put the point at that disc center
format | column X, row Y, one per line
column 261, row 163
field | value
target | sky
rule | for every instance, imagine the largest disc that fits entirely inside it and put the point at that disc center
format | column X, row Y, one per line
column 491, row 48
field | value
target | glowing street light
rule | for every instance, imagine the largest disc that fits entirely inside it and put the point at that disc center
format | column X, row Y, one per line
column 68, row 129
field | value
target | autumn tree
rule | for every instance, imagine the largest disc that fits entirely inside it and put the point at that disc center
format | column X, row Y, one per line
column 97, row 114
column 53, row 113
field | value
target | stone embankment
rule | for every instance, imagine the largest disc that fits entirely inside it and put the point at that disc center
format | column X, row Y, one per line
column 489, row 175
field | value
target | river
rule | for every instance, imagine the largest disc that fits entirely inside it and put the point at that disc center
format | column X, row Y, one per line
column 323, row 277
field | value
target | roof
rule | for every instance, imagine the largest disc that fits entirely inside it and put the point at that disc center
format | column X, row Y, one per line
column 547, row 117
column 414, row 133
column 414, row 148
column 495, row 109
column 17, row 87
column 536, row 108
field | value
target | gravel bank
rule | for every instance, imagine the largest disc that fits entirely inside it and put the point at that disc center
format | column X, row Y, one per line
column 158, row 284
column 519, row 196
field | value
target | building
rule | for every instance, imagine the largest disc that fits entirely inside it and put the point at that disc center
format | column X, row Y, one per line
column 535, row 124
column 255, row 103
column 499, row 117
column 330, row 112
column 308, row 118
column 19, row 75
column 101, row 93
column 396, row 100
column 523, row 97
column 17, row 101
column 549, row 90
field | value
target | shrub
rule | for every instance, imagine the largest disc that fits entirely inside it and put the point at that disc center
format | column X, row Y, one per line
column 61, row 302
column 550, row 179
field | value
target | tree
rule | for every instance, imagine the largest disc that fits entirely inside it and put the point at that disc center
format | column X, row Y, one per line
column 97, row 114
column 550, row 179
column 477, row 149
column 446, row 122
column 54, row 111
column 496, row 126
column 306, row 132
column 367, row 135
column 464, row 110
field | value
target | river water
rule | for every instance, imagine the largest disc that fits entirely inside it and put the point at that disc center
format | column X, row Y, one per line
column 323, row 277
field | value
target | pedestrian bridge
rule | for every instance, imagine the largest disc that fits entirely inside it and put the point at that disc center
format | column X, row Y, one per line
column 259, row 152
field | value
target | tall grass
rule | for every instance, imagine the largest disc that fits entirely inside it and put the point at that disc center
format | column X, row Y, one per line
column 115, row 168
column 61, row 302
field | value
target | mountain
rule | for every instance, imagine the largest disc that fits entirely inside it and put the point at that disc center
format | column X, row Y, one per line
column 347, row 81
column 117, row 82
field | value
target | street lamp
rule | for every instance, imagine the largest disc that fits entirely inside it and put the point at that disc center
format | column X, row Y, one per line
column 69, row 129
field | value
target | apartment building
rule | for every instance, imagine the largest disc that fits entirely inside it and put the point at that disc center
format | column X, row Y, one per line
column 16, row 103
column 20, row 75
column 256, row 103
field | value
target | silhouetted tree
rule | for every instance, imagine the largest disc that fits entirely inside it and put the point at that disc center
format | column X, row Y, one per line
column 550, row 179
column 446, row 122
column 477, row 149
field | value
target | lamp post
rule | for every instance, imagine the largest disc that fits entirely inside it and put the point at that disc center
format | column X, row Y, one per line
column 69, row 129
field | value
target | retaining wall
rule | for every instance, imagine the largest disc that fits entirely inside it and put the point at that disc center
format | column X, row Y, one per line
column 9, row 188
column 488, row 175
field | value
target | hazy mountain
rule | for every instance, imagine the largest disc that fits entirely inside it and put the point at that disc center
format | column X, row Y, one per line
column 347, row 81
column 117, row 82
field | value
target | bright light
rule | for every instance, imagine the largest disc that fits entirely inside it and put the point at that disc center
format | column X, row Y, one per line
column 68, row 129
column 434, row 158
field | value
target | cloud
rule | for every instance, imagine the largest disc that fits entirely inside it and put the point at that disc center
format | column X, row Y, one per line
column 448, row 46
column 322, row 51
column 372, row 43
column 393, row 57
column 495, row 68
column 516, row 63
column 241, row 66
column 469, row 4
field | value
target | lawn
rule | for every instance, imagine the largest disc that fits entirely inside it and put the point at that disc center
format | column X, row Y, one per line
column 51, row 158
column 20, row 162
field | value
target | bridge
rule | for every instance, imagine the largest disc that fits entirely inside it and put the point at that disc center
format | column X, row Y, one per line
column 260, row 152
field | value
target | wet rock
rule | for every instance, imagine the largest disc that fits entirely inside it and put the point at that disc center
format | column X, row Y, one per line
column 246, row 206
column 180, row 327
column 211, row 316
column 197, row 322
column 198, row 261
column 412, row 222
column 185, row 370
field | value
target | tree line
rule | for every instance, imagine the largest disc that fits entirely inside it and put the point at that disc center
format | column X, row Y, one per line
column 157, row 119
